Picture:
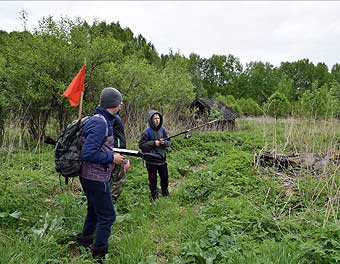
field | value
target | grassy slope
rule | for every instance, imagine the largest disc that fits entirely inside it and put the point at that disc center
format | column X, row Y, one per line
column 220, row 210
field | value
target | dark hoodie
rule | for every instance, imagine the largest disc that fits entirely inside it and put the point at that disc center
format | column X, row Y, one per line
column 147, row 145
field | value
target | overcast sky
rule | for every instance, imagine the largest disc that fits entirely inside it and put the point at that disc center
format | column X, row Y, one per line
column 268, row 31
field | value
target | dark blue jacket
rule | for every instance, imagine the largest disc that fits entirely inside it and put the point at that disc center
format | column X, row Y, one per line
column 94, row 133
column 147, row 144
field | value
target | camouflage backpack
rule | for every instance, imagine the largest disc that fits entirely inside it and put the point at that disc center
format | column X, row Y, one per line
column 67, row 151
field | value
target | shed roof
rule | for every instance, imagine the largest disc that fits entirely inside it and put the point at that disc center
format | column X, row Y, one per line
column 207, row 104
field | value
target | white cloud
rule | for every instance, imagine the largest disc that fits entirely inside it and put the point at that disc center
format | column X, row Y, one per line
column 272, row 31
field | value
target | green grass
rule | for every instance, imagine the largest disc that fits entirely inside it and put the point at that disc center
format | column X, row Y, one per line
column 220, row 210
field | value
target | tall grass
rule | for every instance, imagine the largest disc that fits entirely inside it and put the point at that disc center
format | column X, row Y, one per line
column 311, row 139
column 220, row 209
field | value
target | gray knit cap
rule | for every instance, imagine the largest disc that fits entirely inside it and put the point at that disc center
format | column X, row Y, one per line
column 110, row 98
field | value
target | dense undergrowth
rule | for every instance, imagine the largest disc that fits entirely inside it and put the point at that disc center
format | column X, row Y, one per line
column 220, row 210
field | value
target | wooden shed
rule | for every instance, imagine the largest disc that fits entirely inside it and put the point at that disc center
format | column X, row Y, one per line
column 203, row 107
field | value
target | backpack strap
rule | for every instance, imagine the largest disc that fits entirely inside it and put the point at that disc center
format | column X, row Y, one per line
column 163, row 132
column 149, row 131
column 107, row 127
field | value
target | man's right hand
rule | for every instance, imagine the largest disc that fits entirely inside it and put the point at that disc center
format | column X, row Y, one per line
column 117, row 158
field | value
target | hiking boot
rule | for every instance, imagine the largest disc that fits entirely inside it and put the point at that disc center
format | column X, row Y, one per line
column 84, row 241
column 98, row 253
column 165, row 192
column 154, row 195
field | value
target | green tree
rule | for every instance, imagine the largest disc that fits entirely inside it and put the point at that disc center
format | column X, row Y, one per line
column 147, row 50
column 249, row 107
column 261, row 81
column 301, row 72
column 138, row 80
column 334, row 91
column 28, row 85
column 285, row 86
column 320, row 102
column 335, row 73
column 230, row 101
column 195, row 66
column 278, row 105
column 176, row 87
column 220, row 75
column 321, row 74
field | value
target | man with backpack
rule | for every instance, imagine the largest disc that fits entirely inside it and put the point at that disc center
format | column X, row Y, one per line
column 152, row 140
column 98, row 162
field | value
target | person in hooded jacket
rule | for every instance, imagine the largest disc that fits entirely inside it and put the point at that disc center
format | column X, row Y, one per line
column 98, row 162
column 153, row 140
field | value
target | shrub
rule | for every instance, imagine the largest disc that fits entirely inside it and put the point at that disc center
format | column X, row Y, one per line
column 278, row 105
column 249, row 107
column 320, row 102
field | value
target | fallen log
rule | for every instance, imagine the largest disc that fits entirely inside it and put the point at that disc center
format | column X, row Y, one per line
column 313, row 161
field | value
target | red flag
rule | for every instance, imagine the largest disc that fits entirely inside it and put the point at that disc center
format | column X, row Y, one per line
column 73, row 91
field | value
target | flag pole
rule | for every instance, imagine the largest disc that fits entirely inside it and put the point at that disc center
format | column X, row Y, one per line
column 81, row 97
column 81, row 104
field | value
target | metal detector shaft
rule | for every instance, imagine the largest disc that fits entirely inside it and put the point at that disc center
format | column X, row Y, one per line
column 149, row 157
column 193, row 128
column 127, row 152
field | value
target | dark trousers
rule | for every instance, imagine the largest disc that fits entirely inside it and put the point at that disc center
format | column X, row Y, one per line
column 163, row 174
column 100, row 211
